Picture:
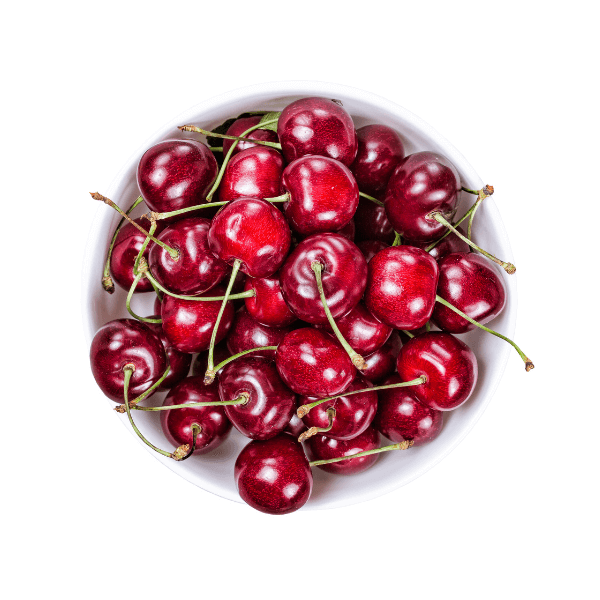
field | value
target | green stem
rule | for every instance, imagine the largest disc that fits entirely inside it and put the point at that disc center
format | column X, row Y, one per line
column 140, row 255
column 185, row 451
column 241, row 399
column 397, row 239
column 128, row 302
column 428, row 326
column 305, row 408
column 182, row 211
column 239, row 354
column 370, row 198
column 132, row 404
column 528, row 363
column 107, row 282
column 475, row 192
column 400, row 446
column 408, row 333
column 216, row 148
column 194, row 129
column 283, row 198
column 357, row 360
column 314, row 430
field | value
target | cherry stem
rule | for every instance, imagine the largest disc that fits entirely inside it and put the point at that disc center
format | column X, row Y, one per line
column 133, row 403
column 96, row 196
column 239, row 354
column 174, row 213
column 370, row 198
column 283, row 198
column 357, row 360
column 508, row 267
column 216, row 148
column 314, row 430
column 487, row 190
column 399, row 446
column 397, row 239
column 209, row 376
column 128, row 302
column 428, row 326
column 184, row 451
column 408, row 333
column 528, row 363
column 194, row 129
column 107, row 282
column 228, row 156
column 128, row 369
column 242, row 399
column 305, row 408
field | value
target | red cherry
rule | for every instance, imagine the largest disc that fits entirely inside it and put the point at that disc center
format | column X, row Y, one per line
column 239, row 126
column 372, row 223
column 201, row 362
column 179, row 362
column 451, row 243
column 370, row 248
column 267, row 305
column 382, row 362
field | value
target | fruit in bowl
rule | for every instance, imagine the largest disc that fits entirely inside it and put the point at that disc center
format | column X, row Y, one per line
column 329, row 317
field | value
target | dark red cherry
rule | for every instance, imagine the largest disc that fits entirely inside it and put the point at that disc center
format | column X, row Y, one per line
column 188, row 324
column 123, row 342
column 353, row 414
column 423, row 182
column 401, row 286
column 270, row 405
column 323, row 447
column 267, row 306
column 362, row 330
column 348, row 230
column 253, row 231
column 380, row 149
column 323, row 195
column 247, row 333
column 255, row 173
column 448, row 364
column 370, row 248
column 296, row 426
column 317, row 126
column 472, row 284
column 201, row 362
column 179, row 362
column 313, row 363
column 382, row 362
column 196, row 269
column 176, row 174
column 125, row 250
column 239, row 126
column 400, row 416
column 344, row 277
column 177, row 423
column 273, row 476
column 372, row 223
column 451, row 243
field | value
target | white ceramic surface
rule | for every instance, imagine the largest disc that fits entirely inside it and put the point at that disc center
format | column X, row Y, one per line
column 214, row 472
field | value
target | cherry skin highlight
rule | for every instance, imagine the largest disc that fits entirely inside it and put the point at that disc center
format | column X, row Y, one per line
column 239, row 126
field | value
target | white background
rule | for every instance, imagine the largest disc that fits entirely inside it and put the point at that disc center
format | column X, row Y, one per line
column 512, row 512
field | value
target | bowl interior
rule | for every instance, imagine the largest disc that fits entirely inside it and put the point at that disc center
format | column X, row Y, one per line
column 214, row 472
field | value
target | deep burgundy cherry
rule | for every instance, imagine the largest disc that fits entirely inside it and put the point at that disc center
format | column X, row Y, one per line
column 322, row 447
column 296, row 426
column 273, row 476
column 353, row 414
column 372, row 223
column 267, row 305
column 177, row 424
column 313, row 363
column 449, row 365
column 472, row 284
column 400, row 416
column 196, row 269
column 451, row 243
column 344, row 277
column 201, row 361
column 176, row 174
column 317, row 126
column 252, row 231
column 247, row 333
column 127, row 246
column 122, row 342
column 370, row 248
column 239, row 126
column 188, row 324
column 362, row 330
column 270, row 405
column 401, row 286
column 382, row 362
column 255, row 173
column 323, row 194
column 179, row 362
column 423, row 182
column 380, row 150
column 348, row 230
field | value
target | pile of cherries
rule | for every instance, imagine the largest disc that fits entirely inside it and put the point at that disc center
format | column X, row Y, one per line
column 298, row 270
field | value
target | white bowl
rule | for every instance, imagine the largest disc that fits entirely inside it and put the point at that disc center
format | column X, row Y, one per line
column 214, row 472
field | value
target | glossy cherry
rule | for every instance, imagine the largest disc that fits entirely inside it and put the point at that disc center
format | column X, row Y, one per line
column 344, row 277
column 317, row 126
column 312, row 363
column 273, row 476
column 176, row 174
column 270, row 403
column 372, row 223
column 423, row 182
column 472, row 284
column 267, row 306
column 239, row 126
column 380, row 150
column 448, row 364
column 382, row 362
column 177, row 424
column 221, row 352
column 179, row 362
column 400, row 416
column 126, row 342
column 449, row 244
column 323, row 194
column 401, row 286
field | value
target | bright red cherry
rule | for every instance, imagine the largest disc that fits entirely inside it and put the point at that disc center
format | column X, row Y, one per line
column 267, row 305
column 382, row 362
column 273, row 476
column 317, row 126
column 239, row 126
column 179, row 362
column 401, row 286
column 372, row 223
